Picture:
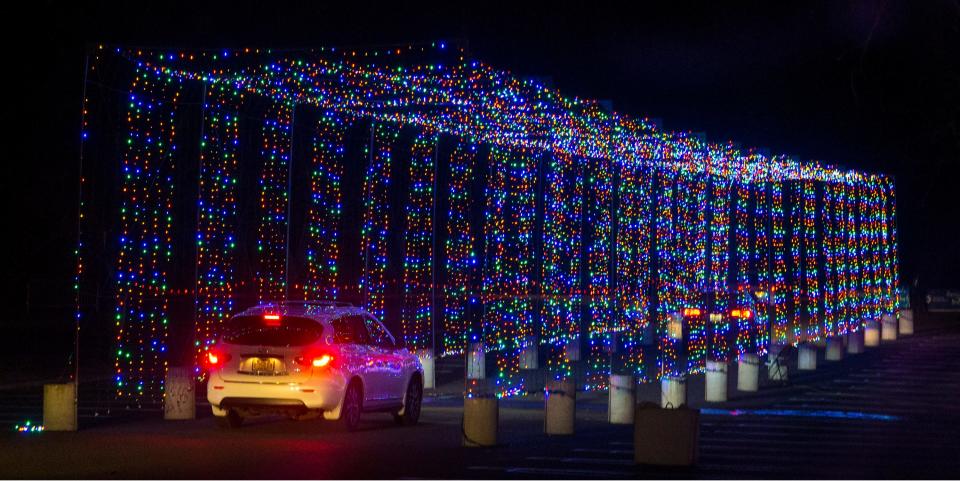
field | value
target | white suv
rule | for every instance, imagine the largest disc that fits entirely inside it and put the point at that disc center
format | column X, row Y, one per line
column 306, row 359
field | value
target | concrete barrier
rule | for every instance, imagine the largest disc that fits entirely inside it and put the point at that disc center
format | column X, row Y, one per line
column 807, row 357
column 476, row 361
column 748, row 373
column 673, row 391
column 888, row 327
column 481, row 419
column 667, row 437
column 905, row 326
column 871, row 333
column 716, row 382
column 428, row 362
column 179, row 394
column 60, row 407
column 834, row 349
column 777, row 369
column 560, row 407
column 622, row 399
column 855, row 342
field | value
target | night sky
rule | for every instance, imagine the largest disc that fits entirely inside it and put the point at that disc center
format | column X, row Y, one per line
column 869, row 85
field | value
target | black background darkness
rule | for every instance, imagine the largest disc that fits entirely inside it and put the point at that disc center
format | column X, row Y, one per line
column 870, row 85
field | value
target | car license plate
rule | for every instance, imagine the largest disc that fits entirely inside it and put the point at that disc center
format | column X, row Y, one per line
column 263, row 366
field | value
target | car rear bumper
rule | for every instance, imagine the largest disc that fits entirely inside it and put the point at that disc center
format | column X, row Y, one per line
column 323, row 393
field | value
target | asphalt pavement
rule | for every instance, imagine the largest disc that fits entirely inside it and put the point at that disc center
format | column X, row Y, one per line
column 891, row 412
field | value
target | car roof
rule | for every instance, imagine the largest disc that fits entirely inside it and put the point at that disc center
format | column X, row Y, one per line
column 320, row 311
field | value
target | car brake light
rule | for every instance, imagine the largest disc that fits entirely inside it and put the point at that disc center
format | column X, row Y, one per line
column 215, row 358
column 322, row 360
column 271, row 320
column 691, row 311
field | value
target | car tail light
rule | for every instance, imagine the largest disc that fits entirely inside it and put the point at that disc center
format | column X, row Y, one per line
column 321, row 360
column 215, row 358
column 691, row 311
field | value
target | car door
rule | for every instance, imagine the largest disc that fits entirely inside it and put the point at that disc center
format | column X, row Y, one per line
column 353, row 340
column 389, row 360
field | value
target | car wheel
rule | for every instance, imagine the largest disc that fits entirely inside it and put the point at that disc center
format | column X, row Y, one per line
column 352, row 406
column 411, row 404
column 231, row 421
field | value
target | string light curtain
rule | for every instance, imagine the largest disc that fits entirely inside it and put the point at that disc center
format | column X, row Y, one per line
column 637, row 222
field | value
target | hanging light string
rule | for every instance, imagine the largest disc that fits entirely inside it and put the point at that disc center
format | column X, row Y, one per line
column 147, row 193
column 418, row 244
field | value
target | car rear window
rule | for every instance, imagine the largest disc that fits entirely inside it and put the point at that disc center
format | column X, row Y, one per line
column 287, row 331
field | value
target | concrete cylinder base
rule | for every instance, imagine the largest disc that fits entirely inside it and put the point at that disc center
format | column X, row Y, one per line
column 428, row 362
column 716, row 382
column 777, row 369
column 476, row 361
column 60, row 407
column 673, row 391
column 573, row 349
column 560, row 407
column 481, row 416
column 179, row 396
column 622, row 399
column 905, row 326
column 748, row 373
column 871, row 333
column 528, row 355
column 807, row 357
column 855, row 342
column 834, row 349
column 888, row 328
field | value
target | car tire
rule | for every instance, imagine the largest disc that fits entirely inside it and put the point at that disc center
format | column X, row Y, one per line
column 412, row 403
column 232, row 420
column 352, row 407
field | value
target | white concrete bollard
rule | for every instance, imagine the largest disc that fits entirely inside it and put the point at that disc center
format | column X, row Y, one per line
column 748, row 373
column 888, row 328
column 716, row 382
column 60, row 407
column 673, row 391
column 905, row 326
column 179, row 395
column 622, row 399
column 855, row 341
column 481, row 418
column 573, row 348
column 428, row 362
column 834, row 349
column 476, row 361
column 777, row 369
column 807, row 357
column 871, row 333
column 560, row 407
column 528, row 355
